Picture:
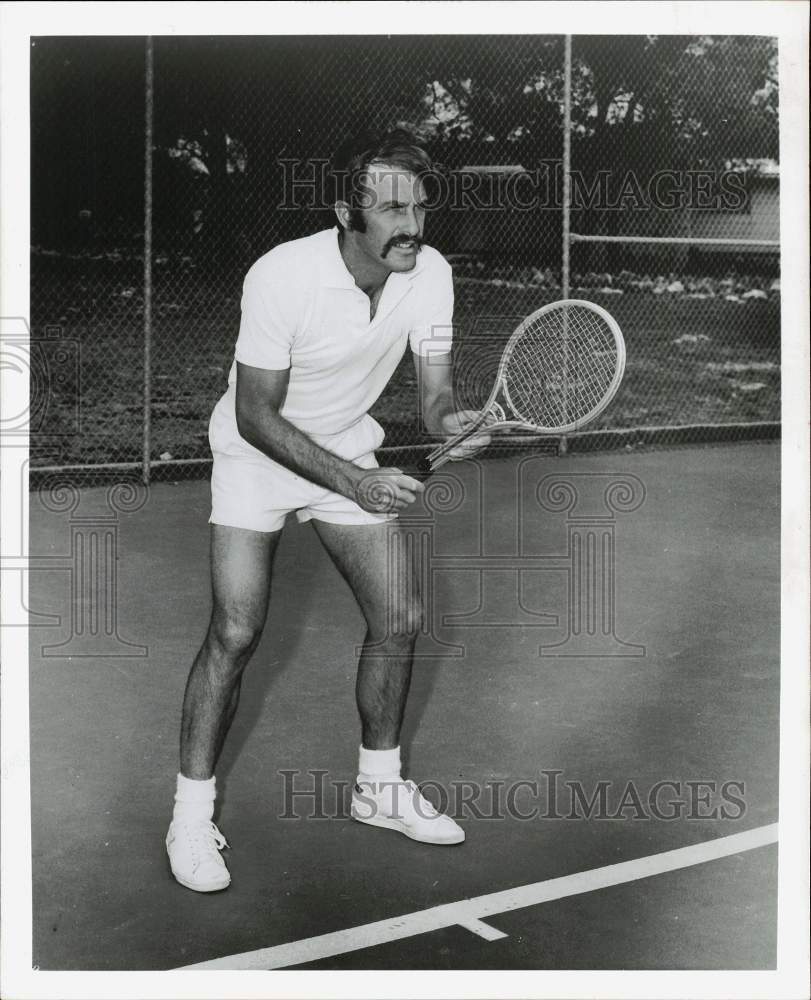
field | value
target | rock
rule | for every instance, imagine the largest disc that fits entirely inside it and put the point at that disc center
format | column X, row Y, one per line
column 675, row 286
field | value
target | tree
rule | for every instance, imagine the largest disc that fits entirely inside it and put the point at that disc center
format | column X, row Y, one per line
column 702, row 96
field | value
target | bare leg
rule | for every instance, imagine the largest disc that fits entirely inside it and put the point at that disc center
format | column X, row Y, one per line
column 241, row 563
column 387, row 593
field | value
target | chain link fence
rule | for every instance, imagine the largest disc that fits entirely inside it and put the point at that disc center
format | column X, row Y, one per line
column 669, row 219
column 87, row 210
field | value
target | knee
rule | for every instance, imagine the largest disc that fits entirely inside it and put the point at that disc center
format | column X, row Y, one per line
column 400, row 624
column 236, row 635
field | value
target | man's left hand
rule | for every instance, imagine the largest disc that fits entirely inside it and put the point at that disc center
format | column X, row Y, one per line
column 454, row 423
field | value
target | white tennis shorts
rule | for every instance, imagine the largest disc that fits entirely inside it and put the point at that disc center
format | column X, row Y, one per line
column 250, row 490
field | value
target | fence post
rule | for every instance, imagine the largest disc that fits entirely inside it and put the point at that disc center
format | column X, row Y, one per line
column 567, row 184
column 148, row 144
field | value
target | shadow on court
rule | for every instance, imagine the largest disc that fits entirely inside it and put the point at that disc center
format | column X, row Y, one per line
column 534, row 753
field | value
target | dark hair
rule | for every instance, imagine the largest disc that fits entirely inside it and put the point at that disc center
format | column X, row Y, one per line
column 351, row 161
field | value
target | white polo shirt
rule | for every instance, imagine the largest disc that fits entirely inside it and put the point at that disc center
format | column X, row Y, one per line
column 302, row 311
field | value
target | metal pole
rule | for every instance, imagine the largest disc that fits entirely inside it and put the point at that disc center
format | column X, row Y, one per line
column 567, row 163
column 148, row 146
column 698, row 241
column 567, row 186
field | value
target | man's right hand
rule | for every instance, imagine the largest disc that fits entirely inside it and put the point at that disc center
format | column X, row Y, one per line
column 385, row 491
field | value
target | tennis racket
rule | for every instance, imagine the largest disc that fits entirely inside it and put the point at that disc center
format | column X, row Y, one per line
column 561, row 368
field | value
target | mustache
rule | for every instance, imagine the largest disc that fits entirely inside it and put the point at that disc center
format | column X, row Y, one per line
column 416, row 240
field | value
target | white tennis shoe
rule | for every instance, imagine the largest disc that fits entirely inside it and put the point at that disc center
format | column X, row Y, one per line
column 194, row 855
column 401, row 806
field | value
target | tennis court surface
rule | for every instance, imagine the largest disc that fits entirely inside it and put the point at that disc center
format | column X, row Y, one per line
column 664, row 569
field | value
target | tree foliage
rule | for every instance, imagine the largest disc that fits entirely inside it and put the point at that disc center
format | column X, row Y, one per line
column 242, row 103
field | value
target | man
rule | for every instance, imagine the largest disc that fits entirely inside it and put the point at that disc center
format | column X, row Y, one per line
column 325, row 321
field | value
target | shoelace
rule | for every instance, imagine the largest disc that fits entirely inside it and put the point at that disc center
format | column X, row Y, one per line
column 205, row 839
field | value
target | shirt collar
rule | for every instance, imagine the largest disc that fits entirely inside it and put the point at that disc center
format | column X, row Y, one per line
column 336, row 274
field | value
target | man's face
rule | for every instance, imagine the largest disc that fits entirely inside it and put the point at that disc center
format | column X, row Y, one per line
column 393, row 210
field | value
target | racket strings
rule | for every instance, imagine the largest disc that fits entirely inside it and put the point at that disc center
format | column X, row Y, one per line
column 561, row 367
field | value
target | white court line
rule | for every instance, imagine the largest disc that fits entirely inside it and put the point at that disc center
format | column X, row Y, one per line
column 483, row 930
column 468, row 912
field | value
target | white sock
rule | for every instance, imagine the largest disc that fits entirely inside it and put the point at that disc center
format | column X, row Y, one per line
column 375, row 766
column 194, row 800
